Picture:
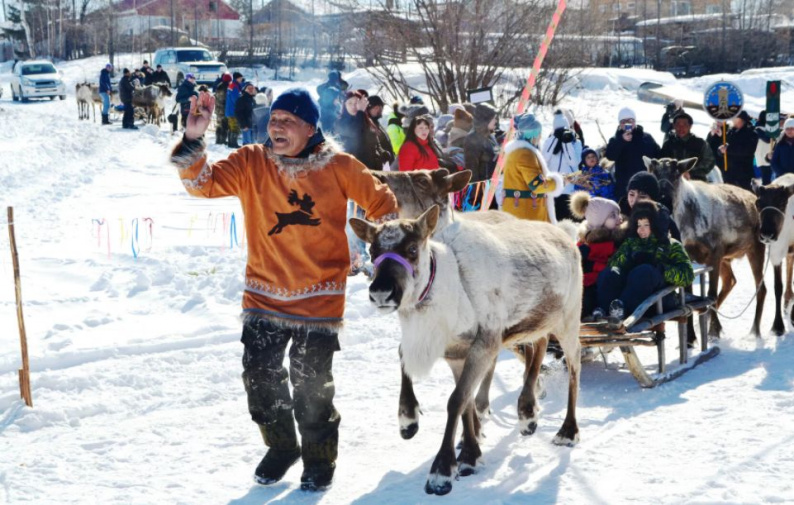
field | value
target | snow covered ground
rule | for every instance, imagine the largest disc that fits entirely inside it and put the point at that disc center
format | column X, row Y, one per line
column 136, row 361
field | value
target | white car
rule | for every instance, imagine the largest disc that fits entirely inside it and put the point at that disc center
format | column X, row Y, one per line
column 180, row 61
column 36, row 79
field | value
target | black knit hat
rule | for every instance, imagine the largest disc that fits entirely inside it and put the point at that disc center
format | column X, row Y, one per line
column 660, row 222
column 743, row 115
column 375, row 101
column 645, row 182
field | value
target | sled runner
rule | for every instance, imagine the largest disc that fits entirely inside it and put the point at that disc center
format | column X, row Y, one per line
column 648, row 330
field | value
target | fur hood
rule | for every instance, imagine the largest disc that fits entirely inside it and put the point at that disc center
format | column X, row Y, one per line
column 322, row 155
column 616, row 235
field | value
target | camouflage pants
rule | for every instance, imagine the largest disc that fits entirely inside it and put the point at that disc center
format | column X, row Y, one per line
column 269, row 402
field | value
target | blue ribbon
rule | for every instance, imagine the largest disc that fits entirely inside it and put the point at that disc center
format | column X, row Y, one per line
column 233, row 232
column 134, row 238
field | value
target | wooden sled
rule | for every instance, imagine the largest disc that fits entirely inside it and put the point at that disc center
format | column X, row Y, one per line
column 639, row 330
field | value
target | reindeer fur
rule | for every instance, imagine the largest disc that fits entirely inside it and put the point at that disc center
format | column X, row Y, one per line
column 512, row 283
column 718, row 223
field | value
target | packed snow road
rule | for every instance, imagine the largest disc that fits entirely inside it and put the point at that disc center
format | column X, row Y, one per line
column 133, row 337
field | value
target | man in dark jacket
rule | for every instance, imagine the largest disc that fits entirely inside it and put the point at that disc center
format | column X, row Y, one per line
column 684, row 144
column 244, row 112
column 627, row 148
column 740, row 145
column 183, row 94
column 375, row 111
column 332, row 96
column 480, row 148
column 105, row 90
column 670, row 112
column 221, row 125
column 161, row 75
column 126, row 87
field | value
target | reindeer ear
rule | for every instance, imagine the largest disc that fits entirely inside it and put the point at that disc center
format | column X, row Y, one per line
column 427, row 221
column 686, row 165
column 458, row 180
column 363, row 229
column 650, row 163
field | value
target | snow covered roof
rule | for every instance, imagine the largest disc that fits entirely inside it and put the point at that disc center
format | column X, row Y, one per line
column 692, row 18
column 163, row 8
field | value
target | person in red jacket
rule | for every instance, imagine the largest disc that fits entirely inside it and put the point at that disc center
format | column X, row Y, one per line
column 599, row 237
column 419, row 149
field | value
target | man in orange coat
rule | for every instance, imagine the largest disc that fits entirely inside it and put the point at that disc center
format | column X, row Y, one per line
column 294, row 194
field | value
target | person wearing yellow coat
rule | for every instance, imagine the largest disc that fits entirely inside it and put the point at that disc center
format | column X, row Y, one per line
column 528, row 186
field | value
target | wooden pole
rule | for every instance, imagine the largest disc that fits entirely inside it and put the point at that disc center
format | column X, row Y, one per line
column 24, row 372
column 724, row 141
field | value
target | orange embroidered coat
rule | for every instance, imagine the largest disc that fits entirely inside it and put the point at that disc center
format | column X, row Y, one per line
column 295, row 216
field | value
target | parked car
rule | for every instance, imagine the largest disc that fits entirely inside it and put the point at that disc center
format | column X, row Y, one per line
column 36, row 79
column 180, row 61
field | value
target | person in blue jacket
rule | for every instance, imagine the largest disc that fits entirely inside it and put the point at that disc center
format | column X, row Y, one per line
column 783, row 155
column 105, row 90
column 627, row 148
column 232, row 95
column 602, row 183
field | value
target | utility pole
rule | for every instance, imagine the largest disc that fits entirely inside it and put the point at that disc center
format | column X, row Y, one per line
column 250, row 28
column 658, row 62
column 172, row 23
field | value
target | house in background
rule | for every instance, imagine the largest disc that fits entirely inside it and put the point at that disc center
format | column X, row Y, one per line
column 207, row 21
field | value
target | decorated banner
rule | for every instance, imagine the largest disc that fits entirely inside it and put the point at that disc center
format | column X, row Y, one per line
column 490, row 192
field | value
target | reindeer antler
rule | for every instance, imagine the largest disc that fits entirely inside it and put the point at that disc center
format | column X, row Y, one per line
column 293, row 198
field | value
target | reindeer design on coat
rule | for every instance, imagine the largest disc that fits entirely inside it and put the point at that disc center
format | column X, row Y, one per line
column 301, row 216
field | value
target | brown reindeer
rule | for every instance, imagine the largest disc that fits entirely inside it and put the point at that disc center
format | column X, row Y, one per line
column 776, row 209
column 718, row 223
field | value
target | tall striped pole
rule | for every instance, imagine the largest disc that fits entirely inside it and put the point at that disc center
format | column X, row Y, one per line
column 524, row 101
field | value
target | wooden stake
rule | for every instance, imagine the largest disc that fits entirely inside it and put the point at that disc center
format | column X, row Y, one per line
column 24, row 372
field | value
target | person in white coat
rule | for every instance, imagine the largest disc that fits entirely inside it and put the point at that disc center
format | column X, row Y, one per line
column 562, row 152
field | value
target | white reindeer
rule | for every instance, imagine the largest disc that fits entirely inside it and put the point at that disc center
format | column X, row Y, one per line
column 83, row 93
column 493, row 285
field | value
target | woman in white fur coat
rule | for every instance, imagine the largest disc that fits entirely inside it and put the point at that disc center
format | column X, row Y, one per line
column 563, row 153
column 529, row 187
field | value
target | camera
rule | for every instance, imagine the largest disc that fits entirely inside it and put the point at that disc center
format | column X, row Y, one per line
column 628, row 127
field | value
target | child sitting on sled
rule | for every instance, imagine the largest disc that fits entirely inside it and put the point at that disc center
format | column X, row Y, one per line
column 647, row 261
column 600, row 235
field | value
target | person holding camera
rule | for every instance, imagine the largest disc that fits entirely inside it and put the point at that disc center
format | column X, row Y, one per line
column 627, row 148
column 562, row 152
column 671, row 110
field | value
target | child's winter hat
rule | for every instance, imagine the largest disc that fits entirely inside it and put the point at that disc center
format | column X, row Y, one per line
column 626, row 113
column 645, row 182
column 299, row 102
column 789, row 123
column 597, row 212
column 560, row 121
column 589, row 150
column 660, row 223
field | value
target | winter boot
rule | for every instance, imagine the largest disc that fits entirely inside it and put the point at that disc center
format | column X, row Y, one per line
column 615, row 319
column 233, row 143
column 317, row 476
column 105, row 119
column 319, row 463
column 283, row 451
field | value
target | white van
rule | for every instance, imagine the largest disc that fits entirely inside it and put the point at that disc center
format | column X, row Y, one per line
column 180, row 61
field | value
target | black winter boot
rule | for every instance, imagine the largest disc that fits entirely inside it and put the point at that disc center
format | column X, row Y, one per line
column 233, row 142
column 283, row 451
column 105, row 119
column 317, row 476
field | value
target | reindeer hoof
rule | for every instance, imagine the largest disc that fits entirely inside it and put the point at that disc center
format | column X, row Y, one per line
column 408, row 432
column 438, row 485
column 778, row 328
column 565, row 439
column 466, row 470
column 529, row 429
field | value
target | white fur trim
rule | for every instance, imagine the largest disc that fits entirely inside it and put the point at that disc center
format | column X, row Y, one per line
column 559, row 188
